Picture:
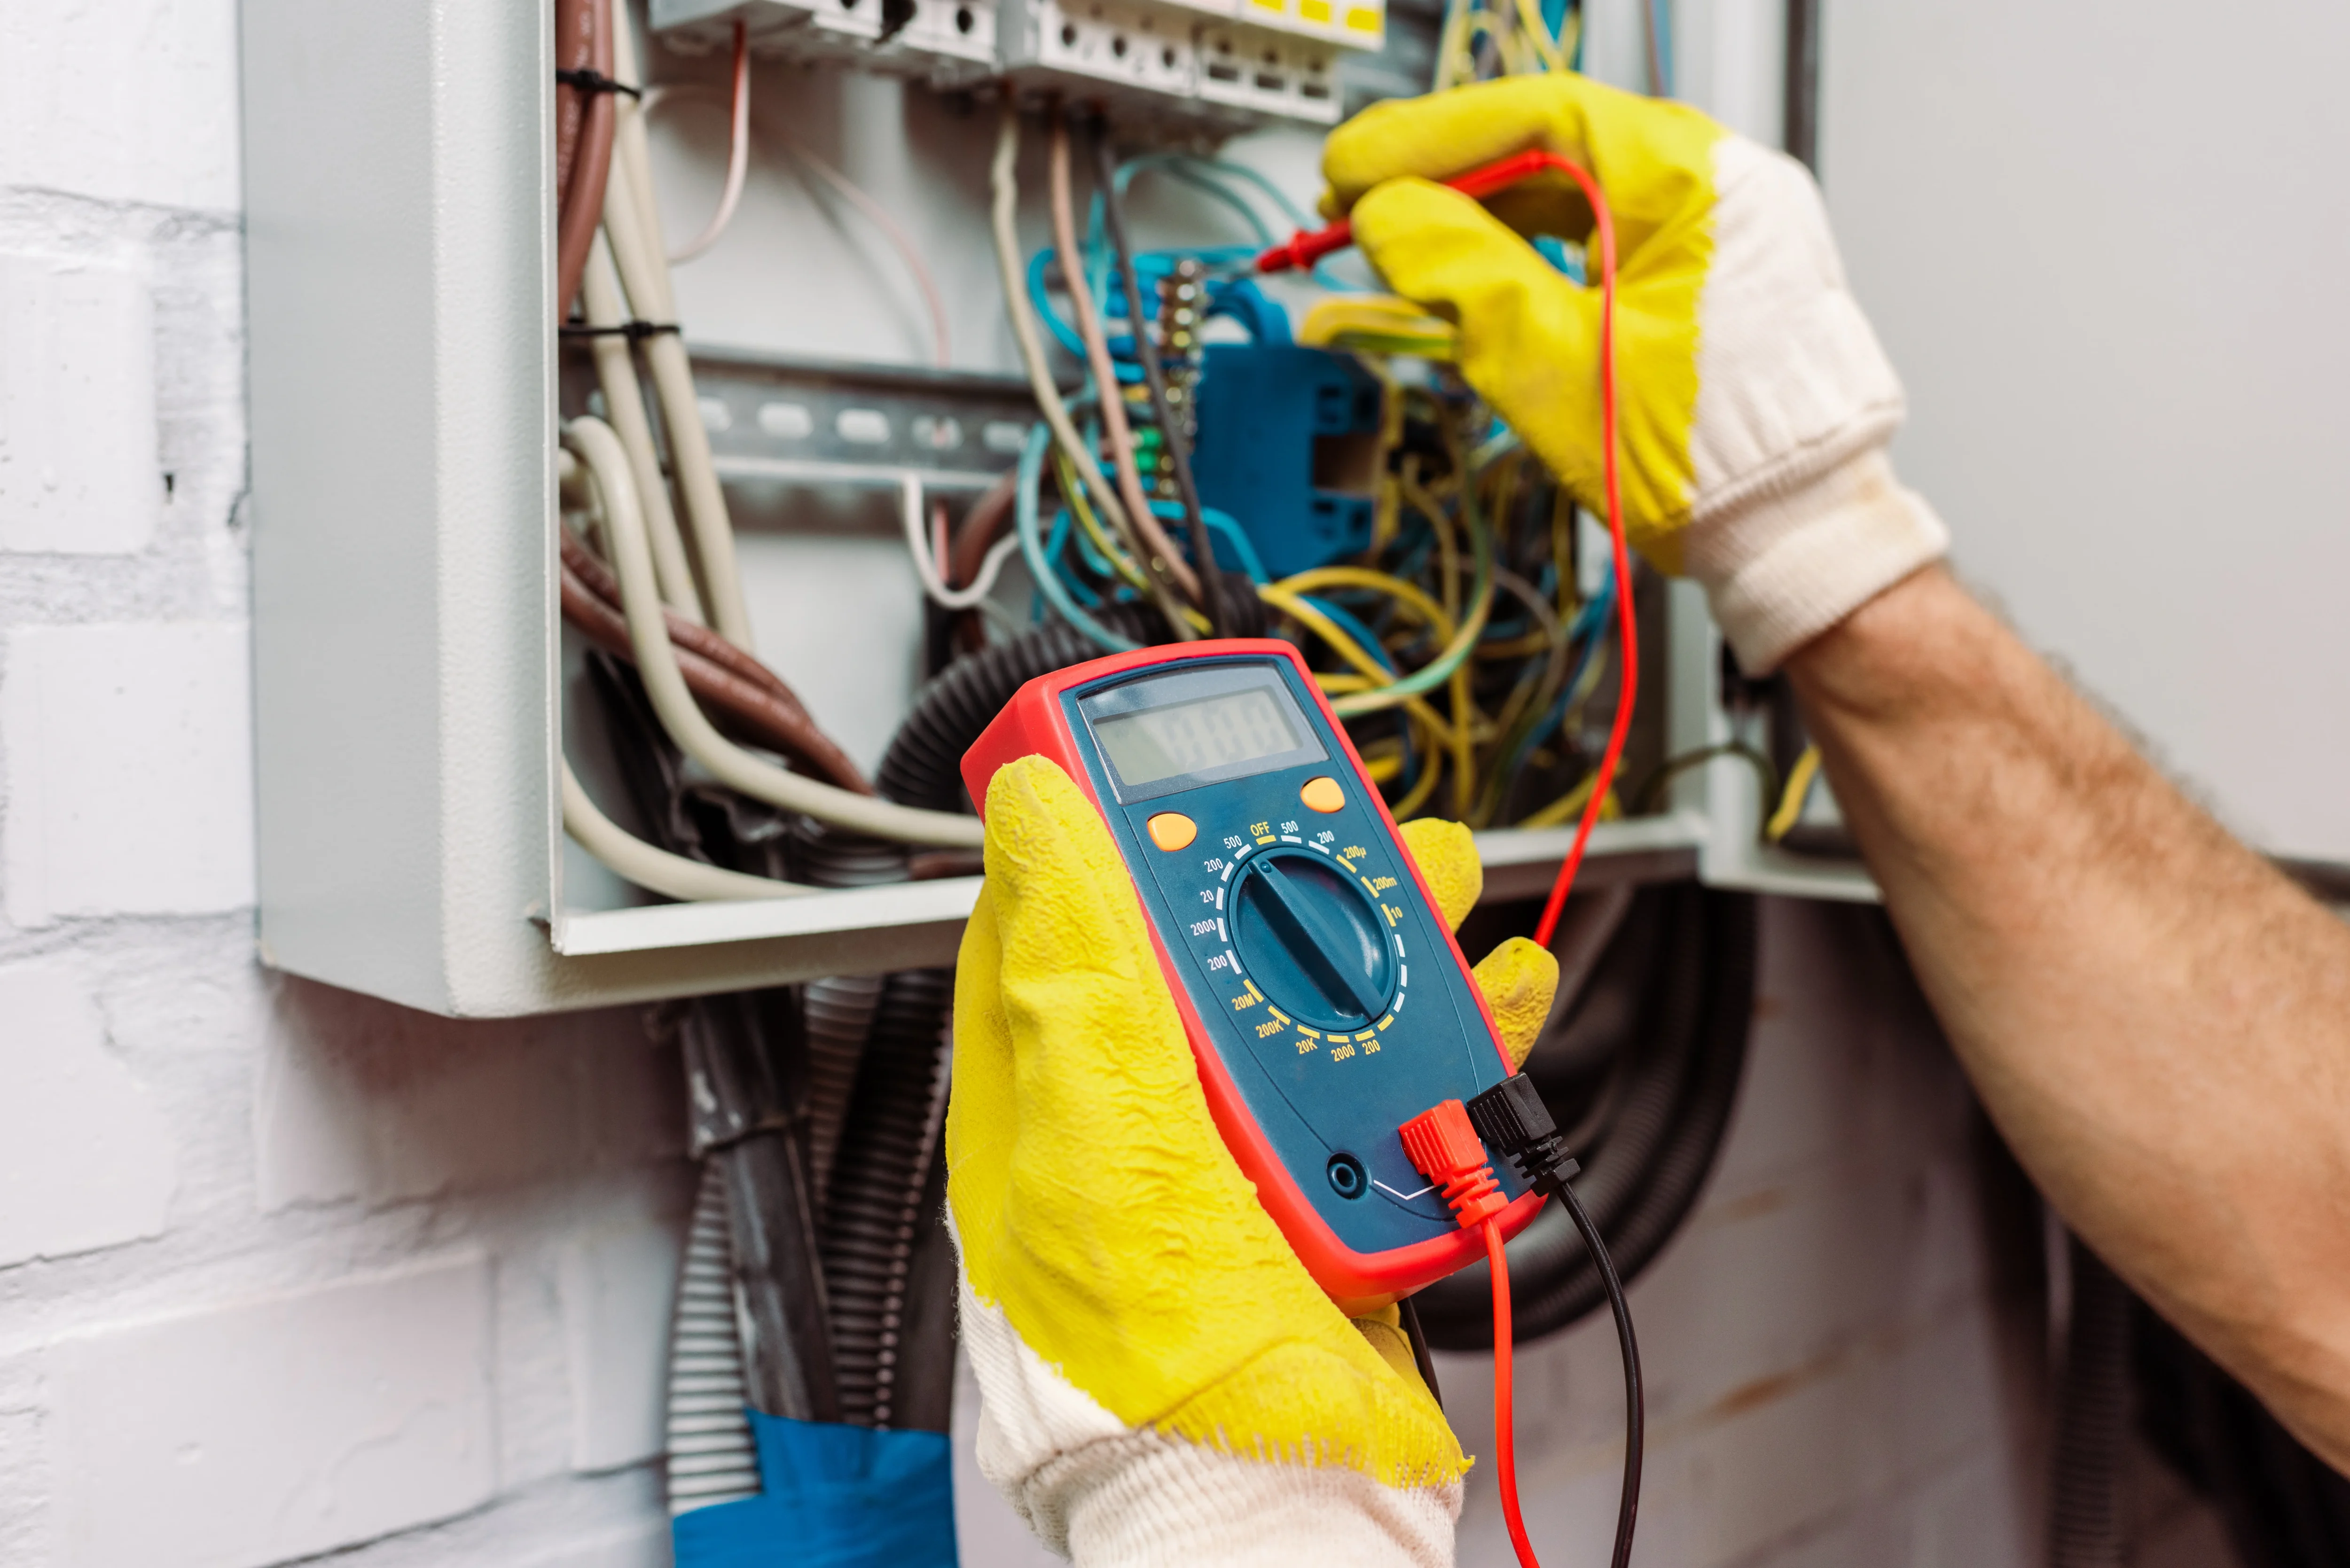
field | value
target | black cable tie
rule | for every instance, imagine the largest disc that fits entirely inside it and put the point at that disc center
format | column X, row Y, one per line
column 634, row 331
column 587, row 80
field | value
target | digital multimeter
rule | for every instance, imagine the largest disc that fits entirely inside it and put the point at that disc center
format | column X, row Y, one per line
column 1324, row 998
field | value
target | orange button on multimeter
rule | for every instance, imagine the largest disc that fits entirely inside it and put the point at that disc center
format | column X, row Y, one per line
column 1325, row 999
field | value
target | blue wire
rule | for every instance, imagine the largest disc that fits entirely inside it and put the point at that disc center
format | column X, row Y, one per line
column 1222, row 526
column 1662, row 13
column 1024, row 516
column 1175, row 166
column 1588, row 623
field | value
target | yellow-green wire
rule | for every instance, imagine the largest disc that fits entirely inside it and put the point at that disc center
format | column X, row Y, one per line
column 1790, row 799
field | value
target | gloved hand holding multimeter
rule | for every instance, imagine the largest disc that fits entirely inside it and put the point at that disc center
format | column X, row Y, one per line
column 1207, row 983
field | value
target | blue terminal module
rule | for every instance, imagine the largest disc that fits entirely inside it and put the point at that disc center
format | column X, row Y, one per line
column 1288, row 445
column 1329, row 986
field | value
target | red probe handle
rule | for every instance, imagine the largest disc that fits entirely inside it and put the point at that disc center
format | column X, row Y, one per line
column 1307, row 246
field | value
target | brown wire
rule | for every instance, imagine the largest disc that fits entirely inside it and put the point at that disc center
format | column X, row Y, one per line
column 582, row 44
column 701, row 639
column 760, row 705
column 574, row 38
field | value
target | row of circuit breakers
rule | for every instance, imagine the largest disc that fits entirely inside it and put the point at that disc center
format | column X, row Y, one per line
column 1213, row 62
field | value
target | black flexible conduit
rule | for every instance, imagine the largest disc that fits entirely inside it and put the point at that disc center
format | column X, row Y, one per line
column 2283, row 1507
column 2085, row 1500
column 875, row 1218
column 1671, row 1001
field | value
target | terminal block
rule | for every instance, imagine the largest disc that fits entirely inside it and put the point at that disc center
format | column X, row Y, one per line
column 1202, row 64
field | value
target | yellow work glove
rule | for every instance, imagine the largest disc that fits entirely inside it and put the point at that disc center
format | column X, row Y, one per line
column 1756, row 401
column 1161, row 1381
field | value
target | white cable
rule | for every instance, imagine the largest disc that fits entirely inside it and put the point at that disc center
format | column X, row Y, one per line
column 926, row 567
column 624, row 406
column 926, row 283
column 649, row 866
column 634, row 230
column 593, row 440
column 738, row 154
column 1005, row 182
column 907, row 252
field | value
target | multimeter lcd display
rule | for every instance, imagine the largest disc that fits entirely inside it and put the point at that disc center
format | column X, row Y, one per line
column 1214, row 732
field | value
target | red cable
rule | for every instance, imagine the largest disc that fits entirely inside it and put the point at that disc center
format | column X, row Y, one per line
column 1627, row 651
column 1444, row 1147
column 1304, row 249
column 1506, row 1446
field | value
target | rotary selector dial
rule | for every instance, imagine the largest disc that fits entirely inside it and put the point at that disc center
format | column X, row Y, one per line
column 1313, row 938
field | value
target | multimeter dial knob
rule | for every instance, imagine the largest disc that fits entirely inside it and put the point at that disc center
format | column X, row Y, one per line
column 1313, row 940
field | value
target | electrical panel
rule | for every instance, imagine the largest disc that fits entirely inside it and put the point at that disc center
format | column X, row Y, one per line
column 413, row 737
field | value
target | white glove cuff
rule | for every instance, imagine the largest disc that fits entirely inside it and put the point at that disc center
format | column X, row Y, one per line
column 1154, row 1501
column 1790, row 565
column 1111, row 1496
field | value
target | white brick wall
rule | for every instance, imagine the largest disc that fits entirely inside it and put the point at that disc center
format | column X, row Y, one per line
column 284, row 1270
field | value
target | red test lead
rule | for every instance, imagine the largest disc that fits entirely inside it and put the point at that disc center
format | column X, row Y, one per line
column 1447, row 1150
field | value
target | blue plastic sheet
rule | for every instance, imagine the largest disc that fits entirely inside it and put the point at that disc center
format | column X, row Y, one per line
column 833, row 1496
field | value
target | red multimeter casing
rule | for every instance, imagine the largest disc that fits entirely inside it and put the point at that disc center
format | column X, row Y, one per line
column 1287, row 916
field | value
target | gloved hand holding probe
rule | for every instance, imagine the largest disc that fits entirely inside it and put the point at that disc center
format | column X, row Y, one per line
column 1162, row 1381
column 1756, row 401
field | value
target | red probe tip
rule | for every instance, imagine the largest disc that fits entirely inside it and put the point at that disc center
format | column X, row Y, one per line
column 1446, row 1149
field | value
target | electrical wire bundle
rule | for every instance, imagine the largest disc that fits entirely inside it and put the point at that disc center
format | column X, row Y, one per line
column 1460, row 648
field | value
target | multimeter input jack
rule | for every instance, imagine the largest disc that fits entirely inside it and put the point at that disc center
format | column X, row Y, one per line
column 1347, row 1177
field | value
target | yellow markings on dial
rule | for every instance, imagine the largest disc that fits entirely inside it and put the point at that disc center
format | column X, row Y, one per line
column 1393, row 914
column 1384, row 1021
column 1240, row 1002
column 1342, row 1052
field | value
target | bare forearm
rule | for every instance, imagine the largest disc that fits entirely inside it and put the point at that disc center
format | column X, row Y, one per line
column 2157, row 1020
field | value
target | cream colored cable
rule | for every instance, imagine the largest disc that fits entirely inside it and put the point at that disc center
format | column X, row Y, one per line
column 1004, row 182
column 926, row 565
column 624, row 408
column 1163, row 560
column 631, row 224
column 649, row 866
column 595, row 444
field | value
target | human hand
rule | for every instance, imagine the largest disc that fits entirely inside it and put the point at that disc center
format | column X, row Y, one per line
column 1755, row 400
column 1161, row 1379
